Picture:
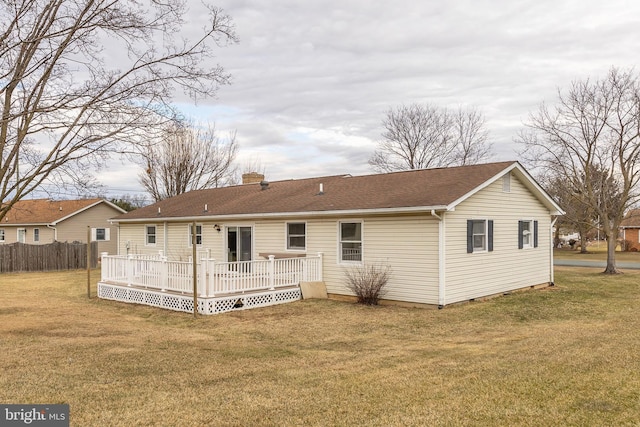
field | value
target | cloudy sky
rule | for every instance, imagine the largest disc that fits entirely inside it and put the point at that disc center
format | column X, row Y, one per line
column 312, row 80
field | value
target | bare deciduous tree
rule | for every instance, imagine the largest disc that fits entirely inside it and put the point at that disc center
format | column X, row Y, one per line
column 579, row 215
column 591, row 138
column 422, row 136
column 188, row 158
column 81, row 79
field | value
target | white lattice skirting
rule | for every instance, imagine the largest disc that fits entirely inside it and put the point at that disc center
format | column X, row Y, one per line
column 212, row 305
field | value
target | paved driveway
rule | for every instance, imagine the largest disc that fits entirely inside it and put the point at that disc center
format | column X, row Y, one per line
column 595, row 263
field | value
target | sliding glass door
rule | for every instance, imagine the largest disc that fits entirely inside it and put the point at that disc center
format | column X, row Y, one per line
column 239, row 244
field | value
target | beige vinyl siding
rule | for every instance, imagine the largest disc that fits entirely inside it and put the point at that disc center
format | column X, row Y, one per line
column 11, row 234
column 472, row 275
column 173, row 240
column 409, row 244
column 74, row 229
column 132, row 239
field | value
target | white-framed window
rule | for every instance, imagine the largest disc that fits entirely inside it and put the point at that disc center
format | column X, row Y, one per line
column 198, row 235
column 479, row 235
column 350, row 241
column 527, row 234
column 2, row 235
column 150, row 235
column 100, row 234
column 36, row 234
column 296, row 236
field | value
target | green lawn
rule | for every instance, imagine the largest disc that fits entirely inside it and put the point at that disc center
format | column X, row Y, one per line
column 567, row 355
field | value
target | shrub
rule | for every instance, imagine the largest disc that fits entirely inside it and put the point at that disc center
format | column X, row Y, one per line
column 368, row 282
column 625, row 245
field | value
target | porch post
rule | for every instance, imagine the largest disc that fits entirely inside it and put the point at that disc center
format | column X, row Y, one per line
column 320, row 266
column 204, row 273
column 164, row 273
column 211, row 277
column 130, row 266
column 103, row 270
column 195, row 268
column 271, row 271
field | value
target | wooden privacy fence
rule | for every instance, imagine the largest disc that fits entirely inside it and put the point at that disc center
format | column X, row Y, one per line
column 53, row 256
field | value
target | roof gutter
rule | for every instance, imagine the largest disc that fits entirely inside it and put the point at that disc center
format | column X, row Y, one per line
column 441, row 258
column 379, row 211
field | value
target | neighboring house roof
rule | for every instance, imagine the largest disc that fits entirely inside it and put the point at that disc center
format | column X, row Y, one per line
column 52, row 212
column 416, row 190
column 631, row 219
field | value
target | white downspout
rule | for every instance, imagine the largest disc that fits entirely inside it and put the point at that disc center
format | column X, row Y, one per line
column 165, row 237
column 441, row 259
column 553, row 223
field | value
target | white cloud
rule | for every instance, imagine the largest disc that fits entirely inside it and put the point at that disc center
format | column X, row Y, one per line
column 312, row 80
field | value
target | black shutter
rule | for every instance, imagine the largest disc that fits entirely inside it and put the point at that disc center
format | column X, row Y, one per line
column 469, row 236
column 490, row 236
column 520, row 231
column 535, row 234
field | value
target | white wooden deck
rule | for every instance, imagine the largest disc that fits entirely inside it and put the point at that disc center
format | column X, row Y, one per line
column 226, row 286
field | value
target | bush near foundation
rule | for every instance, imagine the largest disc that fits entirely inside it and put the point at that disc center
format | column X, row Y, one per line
column 368, row 282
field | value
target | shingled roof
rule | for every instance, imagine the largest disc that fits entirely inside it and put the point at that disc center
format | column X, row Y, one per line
column 632, row 219
column 45, row 211
column 397, row 191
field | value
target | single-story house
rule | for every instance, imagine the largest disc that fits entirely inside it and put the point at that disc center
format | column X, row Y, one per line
column 630, row 229
column 42, row 221
column 447, row 234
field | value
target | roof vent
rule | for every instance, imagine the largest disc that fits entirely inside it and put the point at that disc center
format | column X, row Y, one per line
column 61, row 208
column 264, row 185
column 321, row 192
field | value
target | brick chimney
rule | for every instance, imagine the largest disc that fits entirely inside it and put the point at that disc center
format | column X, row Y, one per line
column 252, row 177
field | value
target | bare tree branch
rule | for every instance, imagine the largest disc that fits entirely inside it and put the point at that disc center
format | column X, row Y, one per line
column 423, row 136
column 188, row 158
column 82, row 79
column 591, row 139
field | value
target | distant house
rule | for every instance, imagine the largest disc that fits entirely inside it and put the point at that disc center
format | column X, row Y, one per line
column 630, row 229
column 43, row 221
column 448, row 234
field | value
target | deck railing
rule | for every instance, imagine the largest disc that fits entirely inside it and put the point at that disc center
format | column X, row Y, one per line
column 214, row 278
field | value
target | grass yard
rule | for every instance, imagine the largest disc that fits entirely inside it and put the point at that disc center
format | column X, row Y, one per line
column 568, row 355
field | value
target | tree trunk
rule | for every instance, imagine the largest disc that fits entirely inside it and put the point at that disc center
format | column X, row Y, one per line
column 583, row 240
column 612, row 242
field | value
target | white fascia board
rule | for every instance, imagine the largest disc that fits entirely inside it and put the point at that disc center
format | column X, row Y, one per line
column 88, row 207
column 532, row 184
column 380, row 211
column 528, row 181
column 485, row 184
column 26, row 224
